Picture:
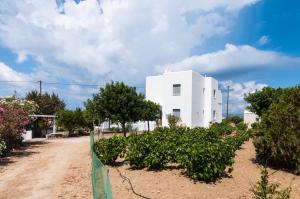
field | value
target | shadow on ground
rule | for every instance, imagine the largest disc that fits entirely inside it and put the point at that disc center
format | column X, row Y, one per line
column 26, row 150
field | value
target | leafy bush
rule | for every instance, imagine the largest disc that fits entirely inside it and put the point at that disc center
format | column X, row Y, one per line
column 13, row 119
column 172, row 120
column 236, row 141
column 223, row 128
column 241, row 127
column 205, row 160
column 264, row 190
column 234, row 119
column 202, row 153
column 139, row 146
column 277, row 136
column 108, row 150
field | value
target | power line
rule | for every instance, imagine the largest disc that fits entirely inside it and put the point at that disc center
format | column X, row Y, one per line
column 16, row 81
column 62, row 84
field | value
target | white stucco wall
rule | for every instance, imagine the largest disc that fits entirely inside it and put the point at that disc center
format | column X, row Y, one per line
column 196, row 107
column 250, row 118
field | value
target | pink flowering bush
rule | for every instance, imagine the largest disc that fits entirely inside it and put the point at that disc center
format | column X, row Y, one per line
column 14, row 116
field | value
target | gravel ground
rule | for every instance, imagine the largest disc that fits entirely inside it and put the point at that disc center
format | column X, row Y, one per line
column 60, row 168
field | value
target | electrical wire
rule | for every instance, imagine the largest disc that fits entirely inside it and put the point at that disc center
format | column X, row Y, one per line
column 129, row 182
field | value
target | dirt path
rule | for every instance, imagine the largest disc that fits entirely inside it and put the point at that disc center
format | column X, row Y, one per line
column 57, row 168
column 172, row 184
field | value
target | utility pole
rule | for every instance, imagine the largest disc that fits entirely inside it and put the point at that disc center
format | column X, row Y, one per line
column 40, row 86
column 227, row 101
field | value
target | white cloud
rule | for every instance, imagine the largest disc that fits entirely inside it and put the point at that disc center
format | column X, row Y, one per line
column 237, row 93
column 233, row 58
column 263, row 40
column 8, row 74
column 13, row 81
column 122, row 37
column 21, row 57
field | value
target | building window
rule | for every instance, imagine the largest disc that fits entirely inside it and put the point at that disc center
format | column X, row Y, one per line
column 215, row 94
column 214, row 115
column 203, row 90
column 203, row 112
column 176, row 112
column 176, row 89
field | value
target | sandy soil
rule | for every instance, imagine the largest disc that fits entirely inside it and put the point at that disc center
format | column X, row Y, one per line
column 58, row 168
column 174, row 185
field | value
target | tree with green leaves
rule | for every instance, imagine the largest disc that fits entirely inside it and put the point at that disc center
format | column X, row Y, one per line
column 277, row 136
column 150, row 112
column 72, row 119
column 48, row 104
column 94, row 115
column 119, row 103
column 261, row 100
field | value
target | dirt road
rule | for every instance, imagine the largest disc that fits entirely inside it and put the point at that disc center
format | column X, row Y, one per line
column 58, row 168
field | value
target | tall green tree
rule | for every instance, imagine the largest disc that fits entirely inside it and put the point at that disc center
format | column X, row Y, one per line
column 119, row 103
column 150, row 112
column 261, row 100
column 48, row 104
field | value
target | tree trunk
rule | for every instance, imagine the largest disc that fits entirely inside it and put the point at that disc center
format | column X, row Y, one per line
column 109, row 124
column 148, row 126
column 124, row 128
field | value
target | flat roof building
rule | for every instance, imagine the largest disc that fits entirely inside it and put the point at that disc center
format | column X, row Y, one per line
column 194, row 98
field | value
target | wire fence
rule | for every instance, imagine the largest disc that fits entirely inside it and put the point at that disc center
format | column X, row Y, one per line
column 100, row 178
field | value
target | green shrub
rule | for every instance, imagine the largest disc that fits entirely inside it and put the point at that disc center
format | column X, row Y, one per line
column 241, row 126
column 205, row 160
column 139, row 146
column 237, row 140
column 264, row 190
column 223, row 128
column 202, row 153
column 108, row 150
column 234, row 119
column 172, row 120
column 277, row 136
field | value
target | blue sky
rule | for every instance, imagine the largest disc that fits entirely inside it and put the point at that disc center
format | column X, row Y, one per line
column 245, row 43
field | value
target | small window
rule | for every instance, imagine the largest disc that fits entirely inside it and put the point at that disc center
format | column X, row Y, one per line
column 215, row 94
column 176, row 89
column 214, row 115
column 203, row 112
column 203, row 90
column 176, row 112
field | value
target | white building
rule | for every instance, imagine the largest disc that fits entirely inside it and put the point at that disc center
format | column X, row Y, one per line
column 194, row 98
column 250, row 118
